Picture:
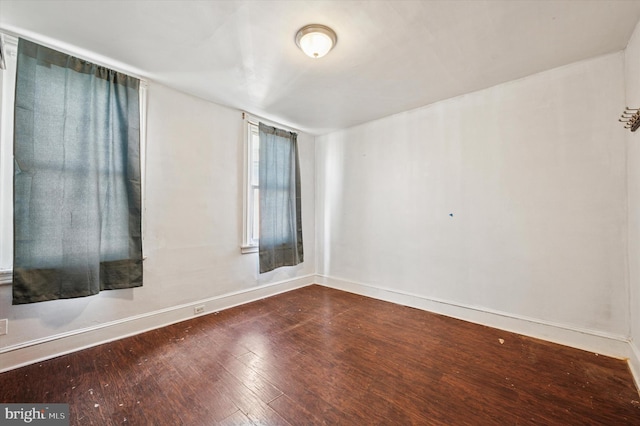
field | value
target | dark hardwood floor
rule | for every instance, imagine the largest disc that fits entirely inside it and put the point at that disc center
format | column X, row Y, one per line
column 322, row 356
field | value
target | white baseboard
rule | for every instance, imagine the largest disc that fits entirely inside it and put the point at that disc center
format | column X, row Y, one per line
column 589, row 340
column 634, row 362
column 42, row 349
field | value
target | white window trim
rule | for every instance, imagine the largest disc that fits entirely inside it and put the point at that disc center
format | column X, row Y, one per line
column 7, row 101
column 249, row 245
column 144, row 87
column 7, row 95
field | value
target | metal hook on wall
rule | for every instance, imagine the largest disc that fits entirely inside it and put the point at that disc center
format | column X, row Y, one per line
column 631, row 118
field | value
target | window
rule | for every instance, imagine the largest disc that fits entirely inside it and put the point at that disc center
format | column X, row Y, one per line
column 251, row 234
column 280, row 199
column 77, row 178
column 7, row 92
column 272, row 221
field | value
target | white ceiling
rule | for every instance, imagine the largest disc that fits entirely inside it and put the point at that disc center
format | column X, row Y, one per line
column 391, row 56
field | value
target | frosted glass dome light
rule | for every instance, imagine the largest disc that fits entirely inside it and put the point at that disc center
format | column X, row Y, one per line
column 316, row 40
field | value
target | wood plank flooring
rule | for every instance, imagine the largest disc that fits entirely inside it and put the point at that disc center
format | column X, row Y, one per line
column 322, row 356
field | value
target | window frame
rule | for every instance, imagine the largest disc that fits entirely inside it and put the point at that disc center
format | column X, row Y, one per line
column 249, row 122
column 7, row 102
column 251, row 208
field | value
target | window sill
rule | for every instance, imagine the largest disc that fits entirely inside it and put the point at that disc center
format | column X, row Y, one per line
column 248, row 249
column 6, row 277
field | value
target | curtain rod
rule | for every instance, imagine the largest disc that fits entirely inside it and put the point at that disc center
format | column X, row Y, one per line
column 10, row 32
column 254, row 119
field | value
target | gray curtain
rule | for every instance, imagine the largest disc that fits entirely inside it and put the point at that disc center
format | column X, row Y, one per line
column 76, row 178
column 280, row 241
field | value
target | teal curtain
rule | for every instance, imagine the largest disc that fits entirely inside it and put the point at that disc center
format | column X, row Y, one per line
column 280, row 242
column 77, row 220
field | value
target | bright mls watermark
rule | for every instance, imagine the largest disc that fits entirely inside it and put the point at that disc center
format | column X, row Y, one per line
column 36, row 414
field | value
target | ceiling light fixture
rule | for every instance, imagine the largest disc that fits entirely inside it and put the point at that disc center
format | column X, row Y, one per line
column 316, row 40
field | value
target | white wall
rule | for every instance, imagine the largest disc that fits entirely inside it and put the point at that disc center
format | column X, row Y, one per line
column 192, row 225
column 533, row 172
column 632, row 82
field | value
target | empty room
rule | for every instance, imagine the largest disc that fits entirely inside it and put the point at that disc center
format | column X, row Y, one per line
column 320, row 212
